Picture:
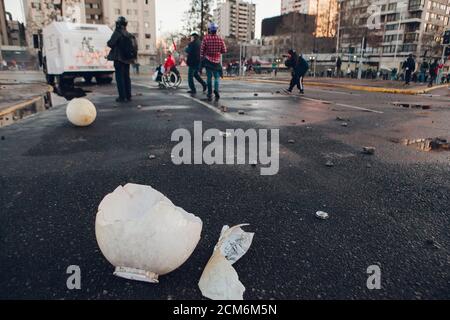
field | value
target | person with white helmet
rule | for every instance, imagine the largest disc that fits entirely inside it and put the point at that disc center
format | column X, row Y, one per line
column 211, row 52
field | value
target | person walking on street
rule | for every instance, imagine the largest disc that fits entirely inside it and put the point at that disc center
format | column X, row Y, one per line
column 410, row 66
column 193, row 62
column 124, row 53
column 301, row 69
column 338, row 67
column 211, row 53
column 291, row 63
column 434, row 71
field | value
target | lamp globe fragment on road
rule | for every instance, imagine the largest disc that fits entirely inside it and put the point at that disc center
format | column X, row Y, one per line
column 81, row 112
column 143, row 234
column 219, row 280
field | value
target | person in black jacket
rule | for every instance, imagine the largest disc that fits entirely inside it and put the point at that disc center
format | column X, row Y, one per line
column 193, row 62
column 410, row 66
column 291, row 63
column 300, row 71
column 121, row 63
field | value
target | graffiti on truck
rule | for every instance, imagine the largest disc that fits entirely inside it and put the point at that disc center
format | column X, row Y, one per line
column 88, row 55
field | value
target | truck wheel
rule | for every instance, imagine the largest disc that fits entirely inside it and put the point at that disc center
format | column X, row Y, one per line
column 103, row 80
column 50, row 79
column 88, row 79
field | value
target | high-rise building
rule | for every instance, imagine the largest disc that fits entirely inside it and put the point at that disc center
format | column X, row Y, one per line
column 325, row 10
column 40, row 13
column 141, row 18
column 3, row 25
column 94, row 11
column 398, row 29
column 236, row 18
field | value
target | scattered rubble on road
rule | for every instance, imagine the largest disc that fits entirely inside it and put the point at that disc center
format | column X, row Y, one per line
column 429, row 144
column 368, row 150
column 411, row 105
column 322, row 215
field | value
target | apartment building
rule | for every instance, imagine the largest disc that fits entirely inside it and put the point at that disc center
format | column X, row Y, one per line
column 141, row 15
column 236, row 18
column 40, row 13
column 3, row 25
column 405, row 27
column 325, row 10
column 94, row 11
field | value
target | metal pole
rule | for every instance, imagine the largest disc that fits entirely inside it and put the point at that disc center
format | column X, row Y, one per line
column 240, row 59
column 398, row 36
column 361, row 58
column 339, row 28
column 202, row 17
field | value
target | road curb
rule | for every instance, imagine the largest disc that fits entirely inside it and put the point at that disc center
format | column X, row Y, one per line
column 356, row 88
column 38, row 102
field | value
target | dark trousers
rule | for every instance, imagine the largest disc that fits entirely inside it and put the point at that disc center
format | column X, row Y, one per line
column 123, row 80
column 193, row 73
column 297, row 80
column 408, row 76
column 432, row 79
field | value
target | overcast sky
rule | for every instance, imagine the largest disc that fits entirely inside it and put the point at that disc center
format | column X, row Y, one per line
column 170, row 13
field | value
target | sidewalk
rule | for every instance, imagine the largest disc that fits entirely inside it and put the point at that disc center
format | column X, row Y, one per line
column 20, row 100
column 384, row 86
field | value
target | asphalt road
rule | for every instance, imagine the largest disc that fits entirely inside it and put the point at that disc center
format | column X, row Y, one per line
column 390, row 209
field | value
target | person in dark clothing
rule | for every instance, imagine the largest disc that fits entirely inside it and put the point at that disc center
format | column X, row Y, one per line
column 338, row 67
column 433, row 71
column 121, row 61
column 291, row 63
column 193, row 62
column 410, row 66
column 300, row 71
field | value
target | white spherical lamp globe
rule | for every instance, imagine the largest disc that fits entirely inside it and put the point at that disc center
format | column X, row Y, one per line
column 143, row 234
column 81, row 112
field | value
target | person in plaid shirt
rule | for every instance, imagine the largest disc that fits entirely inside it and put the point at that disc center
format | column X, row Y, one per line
column 211, row 52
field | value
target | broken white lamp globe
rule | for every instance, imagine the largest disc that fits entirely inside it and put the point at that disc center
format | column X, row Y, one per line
column 143, row 234
column 81, row 112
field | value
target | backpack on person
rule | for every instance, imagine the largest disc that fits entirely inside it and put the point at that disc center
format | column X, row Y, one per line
column 129, row 47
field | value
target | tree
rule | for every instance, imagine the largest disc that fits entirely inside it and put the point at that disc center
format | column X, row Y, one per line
column 193, row 17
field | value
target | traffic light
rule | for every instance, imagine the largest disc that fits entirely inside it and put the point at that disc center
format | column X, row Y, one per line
column 446, row 37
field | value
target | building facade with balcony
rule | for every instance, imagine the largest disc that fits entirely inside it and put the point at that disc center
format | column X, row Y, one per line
column 325, row 10
column 40, row 13
column 392, row 32
column 236, row 18
column 141, row 16
column 94, row 11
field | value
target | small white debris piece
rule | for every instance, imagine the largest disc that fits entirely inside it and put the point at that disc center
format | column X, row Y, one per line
column 219, row 280
column 322, row 215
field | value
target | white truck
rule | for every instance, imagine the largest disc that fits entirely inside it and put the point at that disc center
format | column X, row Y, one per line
column 69, row 51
